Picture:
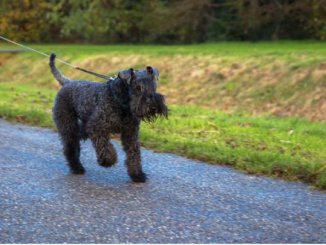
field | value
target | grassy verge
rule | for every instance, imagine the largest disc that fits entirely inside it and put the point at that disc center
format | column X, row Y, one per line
column 251, row 83
column 291, row 148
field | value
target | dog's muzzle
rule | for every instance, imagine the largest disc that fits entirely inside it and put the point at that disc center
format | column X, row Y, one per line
column 149, row 107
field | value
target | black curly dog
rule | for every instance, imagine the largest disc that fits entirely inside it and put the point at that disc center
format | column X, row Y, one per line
column 85, row 109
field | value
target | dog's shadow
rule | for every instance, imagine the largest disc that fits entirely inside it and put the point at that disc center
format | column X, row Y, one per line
column 98, row 184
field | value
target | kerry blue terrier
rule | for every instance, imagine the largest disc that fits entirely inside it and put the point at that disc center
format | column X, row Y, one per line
column 85, row 109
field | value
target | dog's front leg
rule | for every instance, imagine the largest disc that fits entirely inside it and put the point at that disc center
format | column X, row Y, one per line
column 131, row 145
column 105, row 152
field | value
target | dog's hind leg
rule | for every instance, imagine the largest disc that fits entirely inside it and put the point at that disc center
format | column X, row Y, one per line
column 71, row 146
column 68, row 128
column 82, row 130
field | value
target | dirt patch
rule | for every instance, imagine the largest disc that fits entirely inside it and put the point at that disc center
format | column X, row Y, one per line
column 4, row 57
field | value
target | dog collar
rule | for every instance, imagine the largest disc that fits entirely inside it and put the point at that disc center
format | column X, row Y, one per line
column 123, row 103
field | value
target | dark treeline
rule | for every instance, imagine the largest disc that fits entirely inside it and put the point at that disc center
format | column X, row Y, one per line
column 161, row 21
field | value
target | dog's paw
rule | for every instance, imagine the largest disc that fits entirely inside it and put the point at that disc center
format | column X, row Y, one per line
column 78, row 170
column 106, row 163
column 138, row 178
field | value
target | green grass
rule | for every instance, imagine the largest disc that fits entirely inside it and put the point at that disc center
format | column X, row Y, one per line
column 26, row 104
column 284, row 49
column 291, row 148
column 243, row 77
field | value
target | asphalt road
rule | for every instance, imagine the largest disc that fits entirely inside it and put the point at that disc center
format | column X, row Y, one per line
column 184, row 201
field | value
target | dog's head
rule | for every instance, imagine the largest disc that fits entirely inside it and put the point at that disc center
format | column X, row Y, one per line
column 145, row 103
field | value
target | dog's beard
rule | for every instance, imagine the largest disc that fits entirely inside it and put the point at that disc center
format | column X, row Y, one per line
column 149, row 108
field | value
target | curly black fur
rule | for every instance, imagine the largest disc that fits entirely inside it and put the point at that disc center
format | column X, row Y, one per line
column 85, row 109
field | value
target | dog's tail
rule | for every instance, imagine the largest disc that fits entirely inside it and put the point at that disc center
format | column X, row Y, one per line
column 56, row 73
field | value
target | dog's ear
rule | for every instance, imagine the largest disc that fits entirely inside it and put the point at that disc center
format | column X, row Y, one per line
column 153, row 71
column 127, row 75
column 149, row 70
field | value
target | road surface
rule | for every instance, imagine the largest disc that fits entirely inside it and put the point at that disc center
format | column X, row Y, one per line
column 184, row 201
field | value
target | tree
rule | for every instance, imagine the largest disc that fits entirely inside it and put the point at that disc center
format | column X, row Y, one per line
column 161, row 21
column 278, row 19
column 25, row 20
